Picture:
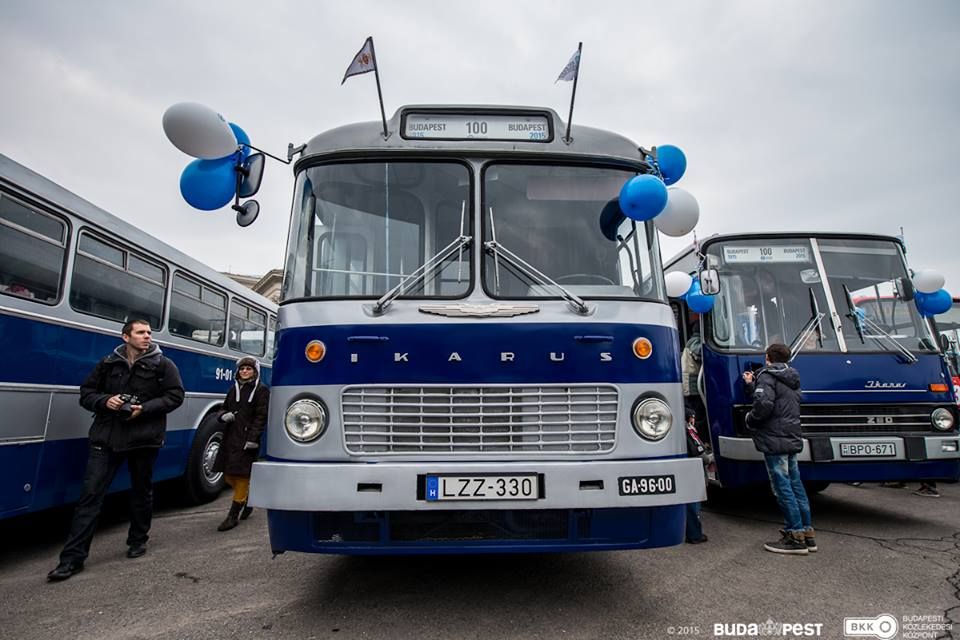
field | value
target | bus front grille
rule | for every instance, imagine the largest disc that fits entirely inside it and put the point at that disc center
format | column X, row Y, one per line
column 490, row 419
column 856, row 419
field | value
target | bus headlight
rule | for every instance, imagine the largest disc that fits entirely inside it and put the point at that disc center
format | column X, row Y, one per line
column 305, row 420
column 652, row 418
column 942, row 419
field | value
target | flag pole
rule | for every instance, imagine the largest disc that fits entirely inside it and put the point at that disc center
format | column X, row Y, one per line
column 376, row 73
column 573, row 95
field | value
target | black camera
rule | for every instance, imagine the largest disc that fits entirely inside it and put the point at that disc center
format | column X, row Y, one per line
column 129, row 399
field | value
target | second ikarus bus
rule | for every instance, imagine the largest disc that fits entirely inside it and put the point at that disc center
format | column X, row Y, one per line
column 475, row 350
column 877, row 399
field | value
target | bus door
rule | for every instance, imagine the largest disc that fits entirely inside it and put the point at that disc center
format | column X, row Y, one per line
column 21, row 443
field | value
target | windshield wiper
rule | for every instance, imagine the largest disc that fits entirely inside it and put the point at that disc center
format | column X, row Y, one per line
column 497, row 250
column 861, row 320
column 381, row 305
column 813, row 324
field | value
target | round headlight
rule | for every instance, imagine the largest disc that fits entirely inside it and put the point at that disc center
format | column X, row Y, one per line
column 305, row 420
column 942, row 419
column 652, row 418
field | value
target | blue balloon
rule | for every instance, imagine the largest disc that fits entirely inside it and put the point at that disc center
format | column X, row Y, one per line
column 209, row 184
column 673, row 163
column 931, row 304
column 243, row 139
column 697, row 301
column 643, row 197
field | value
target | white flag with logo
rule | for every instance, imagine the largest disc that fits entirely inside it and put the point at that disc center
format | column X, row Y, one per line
column 363, row 62
column 570, row 71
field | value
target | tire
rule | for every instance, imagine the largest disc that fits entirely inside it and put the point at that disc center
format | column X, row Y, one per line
column 200, row 483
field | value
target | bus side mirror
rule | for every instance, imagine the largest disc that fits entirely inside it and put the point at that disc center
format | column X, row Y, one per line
column 710, row 282
column 945, row 344
column 252, row 174
column 905, row 288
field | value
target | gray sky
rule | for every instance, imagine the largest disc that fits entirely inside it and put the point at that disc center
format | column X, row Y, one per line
column 837, row 115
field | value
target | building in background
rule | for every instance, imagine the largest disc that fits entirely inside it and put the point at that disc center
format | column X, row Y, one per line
column 268, row 285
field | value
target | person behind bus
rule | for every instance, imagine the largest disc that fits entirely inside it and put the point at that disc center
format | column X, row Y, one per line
column 245, row 417
column 130, row 391
column 774, row 424
column 695, row 449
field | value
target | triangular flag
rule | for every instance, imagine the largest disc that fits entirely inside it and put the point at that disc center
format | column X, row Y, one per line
column 570, row 71
column 363, row 62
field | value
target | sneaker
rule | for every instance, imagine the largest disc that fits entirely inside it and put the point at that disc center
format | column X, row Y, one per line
column 927, row 492
column 894, row 485
column 810, row 539
column 789, row 544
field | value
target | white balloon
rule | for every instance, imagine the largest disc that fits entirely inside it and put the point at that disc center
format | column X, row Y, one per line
column 199, row 131
column 678, row 283
column 928, row 280
column 680, row 215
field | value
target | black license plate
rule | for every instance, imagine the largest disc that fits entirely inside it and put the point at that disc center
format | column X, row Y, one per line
column 647, row 485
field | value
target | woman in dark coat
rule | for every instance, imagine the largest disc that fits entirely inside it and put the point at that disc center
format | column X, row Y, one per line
column 244, row 417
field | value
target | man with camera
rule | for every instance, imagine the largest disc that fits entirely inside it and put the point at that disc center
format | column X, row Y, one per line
column 130, row 391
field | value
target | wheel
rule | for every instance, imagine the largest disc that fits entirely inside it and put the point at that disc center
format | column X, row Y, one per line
column 813, row 487
column 201, row 482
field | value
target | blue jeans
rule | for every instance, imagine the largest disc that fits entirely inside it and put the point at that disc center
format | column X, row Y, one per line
column 788, row 489
column 694, row 529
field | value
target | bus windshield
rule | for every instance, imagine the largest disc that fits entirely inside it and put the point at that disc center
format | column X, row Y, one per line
column 771, row 288
column 564, row 221
column 360, row 228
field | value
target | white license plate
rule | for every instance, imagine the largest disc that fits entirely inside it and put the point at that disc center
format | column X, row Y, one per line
column 647, row 485
column 486, row 487
column 867, row 449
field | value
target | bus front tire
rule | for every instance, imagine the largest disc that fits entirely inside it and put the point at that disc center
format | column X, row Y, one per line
column 201, row 484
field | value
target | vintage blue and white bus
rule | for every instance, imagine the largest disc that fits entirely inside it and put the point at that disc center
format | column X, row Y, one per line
column 877, row 398
column 70, row 275
column 475, row 352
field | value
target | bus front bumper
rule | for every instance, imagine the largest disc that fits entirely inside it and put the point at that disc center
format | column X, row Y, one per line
column 398, row 486
column 856, row 448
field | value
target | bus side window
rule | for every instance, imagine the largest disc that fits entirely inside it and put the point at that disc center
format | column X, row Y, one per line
column 197, row 312
column 32, row 250
column 110, row 281
column 247, row 329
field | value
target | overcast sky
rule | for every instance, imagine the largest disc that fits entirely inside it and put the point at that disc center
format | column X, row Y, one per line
column 839, row 115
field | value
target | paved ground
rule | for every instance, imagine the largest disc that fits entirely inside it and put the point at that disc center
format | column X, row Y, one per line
column 883, row 551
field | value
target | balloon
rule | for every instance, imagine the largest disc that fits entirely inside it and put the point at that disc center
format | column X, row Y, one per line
column 199, row 131
column 209, row 184
column 678, row 283
column 242, row 139
column 610, row 218
column 643, row 197
column 680, row 215
column 672, row 163
column 928, row 281
column 696, row 300
column 931, row 304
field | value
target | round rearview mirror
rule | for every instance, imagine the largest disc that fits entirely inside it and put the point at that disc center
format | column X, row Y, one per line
column 247, row 212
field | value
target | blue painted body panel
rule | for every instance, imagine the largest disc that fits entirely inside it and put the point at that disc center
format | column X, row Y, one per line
column 428, row 350
column 828, row 373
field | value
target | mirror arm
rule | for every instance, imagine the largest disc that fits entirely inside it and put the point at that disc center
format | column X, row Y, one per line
column 290, row 152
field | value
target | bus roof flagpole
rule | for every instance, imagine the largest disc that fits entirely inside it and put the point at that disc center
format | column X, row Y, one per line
column 376, row 74
column 364, row 62
column 573, row 94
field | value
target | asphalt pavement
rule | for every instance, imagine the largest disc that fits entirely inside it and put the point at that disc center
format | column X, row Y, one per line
column 882, row 552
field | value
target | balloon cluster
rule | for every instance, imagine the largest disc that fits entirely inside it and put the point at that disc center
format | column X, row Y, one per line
column 683, row 285
column 931, row 298
column 220, row 147
column 674, row 211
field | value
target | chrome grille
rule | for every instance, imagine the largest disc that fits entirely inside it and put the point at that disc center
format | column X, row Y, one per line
column 450, row 419
column 865, row 418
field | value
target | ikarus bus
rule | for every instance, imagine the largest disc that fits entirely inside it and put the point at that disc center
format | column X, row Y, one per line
column 877, row 398
column 475, row 352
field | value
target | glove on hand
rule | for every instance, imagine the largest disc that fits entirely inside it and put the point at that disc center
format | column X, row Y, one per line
column 250, row 445
column 227, row 417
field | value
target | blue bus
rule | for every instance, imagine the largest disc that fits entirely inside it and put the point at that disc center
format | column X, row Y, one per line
column 475, row 353
column 877, row 400
column 70, row 275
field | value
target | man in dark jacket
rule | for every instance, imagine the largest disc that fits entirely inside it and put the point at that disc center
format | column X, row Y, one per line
column 774, row 423
column 130, row 391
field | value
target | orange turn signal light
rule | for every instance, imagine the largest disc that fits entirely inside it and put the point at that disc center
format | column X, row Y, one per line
column 315, row 351
column 642, row 348
column 939, row 388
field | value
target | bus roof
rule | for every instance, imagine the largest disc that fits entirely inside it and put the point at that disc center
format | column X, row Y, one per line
column 31, row 184
column 364, row 137
column 773, row 235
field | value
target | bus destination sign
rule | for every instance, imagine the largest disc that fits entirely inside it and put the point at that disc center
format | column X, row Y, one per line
column 479, row 126
column 748, row 254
